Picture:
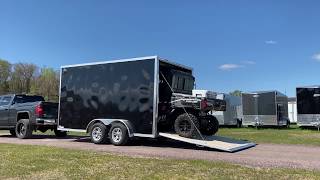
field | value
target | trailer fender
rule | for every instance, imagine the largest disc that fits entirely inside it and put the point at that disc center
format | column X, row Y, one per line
column 108, row 122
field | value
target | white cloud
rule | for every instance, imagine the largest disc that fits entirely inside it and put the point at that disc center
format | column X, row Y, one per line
column 248, row 62
column 271, row 42
column 226, row 67
column 316, row 57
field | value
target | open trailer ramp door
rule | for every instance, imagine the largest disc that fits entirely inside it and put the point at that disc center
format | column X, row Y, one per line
column 215, row 142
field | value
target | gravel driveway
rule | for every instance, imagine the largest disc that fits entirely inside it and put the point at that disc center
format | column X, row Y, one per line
column 263, row 155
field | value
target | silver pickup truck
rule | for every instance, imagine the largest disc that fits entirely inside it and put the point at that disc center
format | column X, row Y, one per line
column 23, row 114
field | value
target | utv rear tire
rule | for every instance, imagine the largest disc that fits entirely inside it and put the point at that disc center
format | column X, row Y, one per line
column 13, row 132
column 212, row 126
column 98, row 133
column 187, row 125
column 23, row 129
column 59, row 133
column 118, row 134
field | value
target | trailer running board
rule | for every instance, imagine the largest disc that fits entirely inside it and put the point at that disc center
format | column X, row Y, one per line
column 215, row 142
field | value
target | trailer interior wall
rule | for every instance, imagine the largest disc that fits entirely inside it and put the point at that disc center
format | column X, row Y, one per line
column 308, row 105
column 268, row 108
column 233, row 110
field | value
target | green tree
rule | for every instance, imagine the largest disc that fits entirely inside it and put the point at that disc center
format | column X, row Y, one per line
column 47, row 84
column 5, row 70
column 22, row 76
column 236, row 93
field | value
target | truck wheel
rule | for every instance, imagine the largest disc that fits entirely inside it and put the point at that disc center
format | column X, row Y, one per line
column 186, row 125
column 98, row 133
column 118, row 134
column 23, row 129
column 13, row 132
column 59, row 133
column 211, row 127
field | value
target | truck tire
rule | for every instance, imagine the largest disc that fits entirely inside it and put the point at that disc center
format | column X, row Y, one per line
column 118, row 134
column 59, row 133
column 23, row 129
column 211, row 127
column 13, row 132
column 186, row 125
column 98, row 133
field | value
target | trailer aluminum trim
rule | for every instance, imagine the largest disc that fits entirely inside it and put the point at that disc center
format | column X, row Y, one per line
column 111, row 61
column 69, row 129
column 215, row 142
column 155, row 97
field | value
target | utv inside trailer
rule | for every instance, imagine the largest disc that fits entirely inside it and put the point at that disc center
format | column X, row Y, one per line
column 121, row 99
column 308, row 106
column 265, row 108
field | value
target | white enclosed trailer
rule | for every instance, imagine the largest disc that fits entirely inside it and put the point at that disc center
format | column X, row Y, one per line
column 292, row 110
column 233, row 114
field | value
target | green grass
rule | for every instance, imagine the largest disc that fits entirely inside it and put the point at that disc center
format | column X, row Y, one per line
column 292, row 135
column 40, row 162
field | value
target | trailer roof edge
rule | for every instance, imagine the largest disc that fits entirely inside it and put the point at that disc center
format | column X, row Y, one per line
column 111, row 61
column 311, row 86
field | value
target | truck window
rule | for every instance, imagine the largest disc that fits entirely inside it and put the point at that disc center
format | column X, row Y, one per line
column 5, row 100
column 25, row 99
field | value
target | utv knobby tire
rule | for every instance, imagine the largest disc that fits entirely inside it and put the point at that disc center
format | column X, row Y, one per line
column 187, row 125
column 23, row 129
column 59, row 133
column 118, row 134
column 212, row 126
column 98, row 133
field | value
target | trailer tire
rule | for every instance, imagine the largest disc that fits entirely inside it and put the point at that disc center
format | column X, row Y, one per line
column 118, row 134
column 186, row 125
column 59, row 133
column 13, row 132
column 212, row 126
column 98, row 132
column 23, row 129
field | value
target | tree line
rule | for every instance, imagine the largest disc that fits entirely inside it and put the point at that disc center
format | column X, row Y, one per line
column 28, row 78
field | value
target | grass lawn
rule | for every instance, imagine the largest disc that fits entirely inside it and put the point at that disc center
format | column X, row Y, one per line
column 39, row 162
column 292, row 135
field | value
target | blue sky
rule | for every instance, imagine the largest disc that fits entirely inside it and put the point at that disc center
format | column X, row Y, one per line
column 246, row 45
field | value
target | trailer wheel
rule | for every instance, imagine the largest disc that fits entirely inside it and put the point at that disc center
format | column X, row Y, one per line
column 118, row 134
column 23, row 129
column 59, row 133
column 186, row 125
column 13, row 132
column 98, row 133
column 212, row 126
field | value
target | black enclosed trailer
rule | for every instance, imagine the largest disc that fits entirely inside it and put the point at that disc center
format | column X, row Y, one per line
column 308, row 106
column 265, row 108
column 138, row 97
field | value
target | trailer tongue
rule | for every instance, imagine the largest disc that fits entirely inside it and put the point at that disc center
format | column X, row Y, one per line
column 215, row 142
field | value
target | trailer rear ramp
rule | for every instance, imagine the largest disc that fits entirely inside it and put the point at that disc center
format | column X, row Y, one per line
column 214, row 142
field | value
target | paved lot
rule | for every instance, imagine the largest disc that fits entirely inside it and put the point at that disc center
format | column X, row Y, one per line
column 263, row 155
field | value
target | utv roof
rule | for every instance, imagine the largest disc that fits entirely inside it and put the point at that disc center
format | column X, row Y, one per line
column 127, row 60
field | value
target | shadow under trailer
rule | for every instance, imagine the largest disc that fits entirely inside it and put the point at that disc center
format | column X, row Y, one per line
column 140, row 97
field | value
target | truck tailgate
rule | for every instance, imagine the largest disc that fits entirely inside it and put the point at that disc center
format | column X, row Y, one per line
column 50, row 110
